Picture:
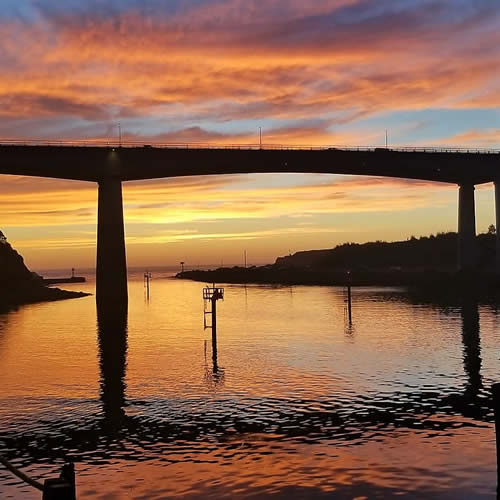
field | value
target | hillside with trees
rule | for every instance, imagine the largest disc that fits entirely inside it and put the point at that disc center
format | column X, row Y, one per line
column 435, row 252
column 429, row 261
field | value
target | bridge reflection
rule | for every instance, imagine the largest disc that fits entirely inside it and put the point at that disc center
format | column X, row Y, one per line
column 112, row 341
column 471, row 346
column 468, row 308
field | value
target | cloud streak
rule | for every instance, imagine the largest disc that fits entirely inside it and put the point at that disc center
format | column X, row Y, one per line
column 222, row 198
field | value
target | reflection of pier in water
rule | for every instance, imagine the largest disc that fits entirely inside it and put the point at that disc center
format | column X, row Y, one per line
column 112, row 340
column 214, row 375
column 113, row 346
column 112, row 337
column 170, row 420
column 468, row 308
column 472, row 346
column 113, row 352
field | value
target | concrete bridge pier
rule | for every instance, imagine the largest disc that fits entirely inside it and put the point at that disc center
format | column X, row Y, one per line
column 111, row 277
column 467, row 254
column 497, row 211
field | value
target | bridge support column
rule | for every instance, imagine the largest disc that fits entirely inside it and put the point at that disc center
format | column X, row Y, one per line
column 111, row 277
column 497, row 210
column 466, row 228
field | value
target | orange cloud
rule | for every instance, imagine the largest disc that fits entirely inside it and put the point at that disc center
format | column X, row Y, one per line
column 227, row 61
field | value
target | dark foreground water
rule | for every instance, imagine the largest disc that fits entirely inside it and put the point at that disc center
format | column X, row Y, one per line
column 299, row 405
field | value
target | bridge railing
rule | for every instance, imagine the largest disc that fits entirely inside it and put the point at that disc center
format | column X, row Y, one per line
column 268, row 147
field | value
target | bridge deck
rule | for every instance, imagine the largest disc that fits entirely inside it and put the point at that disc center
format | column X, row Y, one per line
column 94, row 160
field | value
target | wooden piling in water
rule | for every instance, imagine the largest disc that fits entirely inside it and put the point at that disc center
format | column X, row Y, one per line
column 62, row 488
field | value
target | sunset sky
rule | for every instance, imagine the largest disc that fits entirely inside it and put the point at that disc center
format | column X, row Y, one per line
column 322, row 72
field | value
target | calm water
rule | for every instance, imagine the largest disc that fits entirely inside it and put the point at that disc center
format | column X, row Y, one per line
column 300, row 404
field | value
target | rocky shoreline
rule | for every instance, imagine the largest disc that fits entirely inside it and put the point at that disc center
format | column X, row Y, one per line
column 18, row 285
column 31, row 294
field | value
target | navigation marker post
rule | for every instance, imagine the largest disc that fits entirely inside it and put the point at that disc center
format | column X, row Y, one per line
column 210, row 297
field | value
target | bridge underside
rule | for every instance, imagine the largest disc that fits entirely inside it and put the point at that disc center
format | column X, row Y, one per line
column 109, row 167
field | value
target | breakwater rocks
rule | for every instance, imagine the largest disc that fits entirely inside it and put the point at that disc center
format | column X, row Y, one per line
column 18, row 285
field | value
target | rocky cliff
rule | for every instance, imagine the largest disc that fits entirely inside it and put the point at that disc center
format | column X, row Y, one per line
column 18, row 285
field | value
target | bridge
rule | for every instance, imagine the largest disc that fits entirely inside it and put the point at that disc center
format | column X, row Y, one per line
column 111, row 163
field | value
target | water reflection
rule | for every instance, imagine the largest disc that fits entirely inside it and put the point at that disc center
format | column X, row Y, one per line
column 4, row 318
column 468, row 307
column 214, row 375
column 112, row 339
column 350, row 391
column 348, row 328
column 471, row 346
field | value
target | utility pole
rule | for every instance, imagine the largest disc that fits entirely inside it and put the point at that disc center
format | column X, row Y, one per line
column 120, row 134
column 245, row 254
column 386, row 142
column 260, row 137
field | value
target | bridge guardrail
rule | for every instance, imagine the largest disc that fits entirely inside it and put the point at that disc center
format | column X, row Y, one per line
column 267, row 147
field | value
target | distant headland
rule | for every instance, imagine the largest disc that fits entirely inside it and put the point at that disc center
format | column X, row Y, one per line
column 425, row 261
column 18, row 285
